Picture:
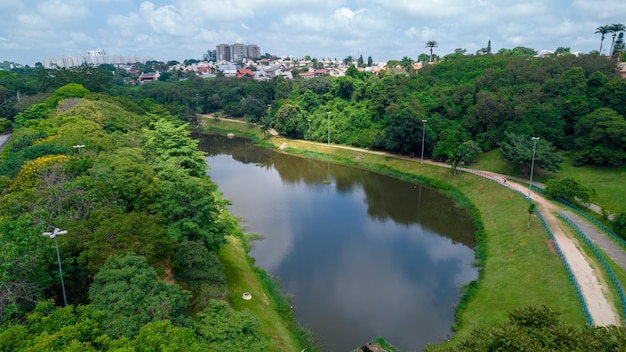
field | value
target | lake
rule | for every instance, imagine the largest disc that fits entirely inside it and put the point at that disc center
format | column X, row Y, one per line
column 360, row 255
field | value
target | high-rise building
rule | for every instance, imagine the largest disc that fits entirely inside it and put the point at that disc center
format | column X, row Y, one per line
column 223, row 52
column 254, row 50
column 237, row 52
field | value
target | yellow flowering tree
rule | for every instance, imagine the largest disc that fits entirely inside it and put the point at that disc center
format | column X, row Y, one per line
column 33, row 170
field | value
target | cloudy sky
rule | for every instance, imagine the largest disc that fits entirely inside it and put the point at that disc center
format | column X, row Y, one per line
column 34, row 30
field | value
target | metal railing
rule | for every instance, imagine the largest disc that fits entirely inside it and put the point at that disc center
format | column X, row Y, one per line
column 600, row 257
column 577, row 288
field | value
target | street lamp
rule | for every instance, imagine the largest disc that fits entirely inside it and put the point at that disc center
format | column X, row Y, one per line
column 328, row 114
column 423, row 135
column 309, row 130
column 244, row 100
column 54, row 235
column 79, row 147
column 532, row 165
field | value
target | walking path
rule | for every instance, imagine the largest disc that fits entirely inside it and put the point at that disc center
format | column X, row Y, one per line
column 4, row 138
column 600, row 308
column 610, row 248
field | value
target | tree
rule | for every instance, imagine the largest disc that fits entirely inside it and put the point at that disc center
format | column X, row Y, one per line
column 430, row 45
column 518, row 150
column 562, row 50
column 347, row 61
column 539, row 329
column 369, row 61
column 615, row 28
column 224, row 329
column 127, row 291
column 210, row 55
column 523, row 51
column 532, row 208
column 196, row 265
column 619, row 223
column 603, row 30
column 568, row 189
column 619, row 46
column 600, row 138
column 407, row 64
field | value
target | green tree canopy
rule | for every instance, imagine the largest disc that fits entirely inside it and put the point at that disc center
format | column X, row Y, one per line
column 518, row 150
column 127, row 291
column 601, row 138
column 568, row 189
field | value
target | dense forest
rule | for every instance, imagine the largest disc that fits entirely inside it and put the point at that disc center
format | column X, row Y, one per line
column 470, row 103
column 143, row 224
column 114, row 166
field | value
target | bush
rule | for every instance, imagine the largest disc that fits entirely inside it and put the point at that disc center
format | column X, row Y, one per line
column 568, row 189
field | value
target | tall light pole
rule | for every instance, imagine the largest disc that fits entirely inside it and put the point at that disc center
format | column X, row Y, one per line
column 79, row 147
column 532, row 165
column 54, row 235
column 244, row 108
column 423, row 135
column 328, row 114
column 309, row 130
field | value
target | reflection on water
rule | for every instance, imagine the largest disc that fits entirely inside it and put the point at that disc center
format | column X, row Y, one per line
column 362, row 254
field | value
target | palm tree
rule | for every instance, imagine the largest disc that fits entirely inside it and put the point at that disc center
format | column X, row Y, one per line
column 602, row 30
column 431, row 44
column 615, row 28
column 407, row 64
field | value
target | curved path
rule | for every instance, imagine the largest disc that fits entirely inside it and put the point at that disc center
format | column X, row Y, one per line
column 600, row 308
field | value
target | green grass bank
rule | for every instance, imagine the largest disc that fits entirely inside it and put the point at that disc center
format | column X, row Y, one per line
column 519, row 265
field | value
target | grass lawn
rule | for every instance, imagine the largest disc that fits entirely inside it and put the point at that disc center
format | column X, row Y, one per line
column 607, row 183
column 241, row 278
column 520, row 268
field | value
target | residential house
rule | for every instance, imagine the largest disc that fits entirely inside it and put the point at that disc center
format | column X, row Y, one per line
column 277, row 70
column 148, row 77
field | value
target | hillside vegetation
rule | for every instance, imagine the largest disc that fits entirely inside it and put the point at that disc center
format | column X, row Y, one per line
column 145, row 225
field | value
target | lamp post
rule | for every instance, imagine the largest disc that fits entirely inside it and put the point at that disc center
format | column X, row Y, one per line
column 309, row 130
column 79, row 147
column 423, row 135
column 532, row 165
column 244, row 100
column 54, row 235
column 328, row 114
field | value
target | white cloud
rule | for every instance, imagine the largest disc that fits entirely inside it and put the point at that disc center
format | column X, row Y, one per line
column 179, row 29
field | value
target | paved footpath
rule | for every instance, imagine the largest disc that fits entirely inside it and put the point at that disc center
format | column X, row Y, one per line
column 4, row 138
column 599, row 238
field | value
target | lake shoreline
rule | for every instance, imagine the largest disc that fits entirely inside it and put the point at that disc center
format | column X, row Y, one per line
column 476, row 309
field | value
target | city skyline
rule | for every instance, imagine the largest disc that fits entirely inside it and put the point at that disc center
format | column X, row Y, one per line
column 36, row 30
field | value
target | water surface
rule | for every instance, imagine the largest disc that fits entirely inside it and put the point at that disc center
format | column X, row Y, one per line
column 360, row 255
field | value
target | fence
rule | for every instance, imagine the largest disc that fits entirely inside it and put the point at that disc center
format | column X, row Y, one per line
column 618, row 240
column 598, row 254
column 502, row 182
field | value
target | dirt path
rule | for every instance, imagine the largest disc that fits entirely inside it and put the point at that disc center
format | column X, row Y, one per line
column 600, row 308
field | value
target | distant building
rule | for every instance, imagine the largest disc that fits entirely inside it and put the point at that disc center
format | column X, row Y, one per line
column 93, row 58
column 254, row 51
column 223, row 52
column 148, row 77
column 237, row 52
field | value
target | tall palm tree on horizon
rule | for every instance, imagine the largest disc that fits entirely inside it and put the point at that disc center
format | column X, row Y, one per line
column 431, row 44
column 604, row 30
column 615, row 28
